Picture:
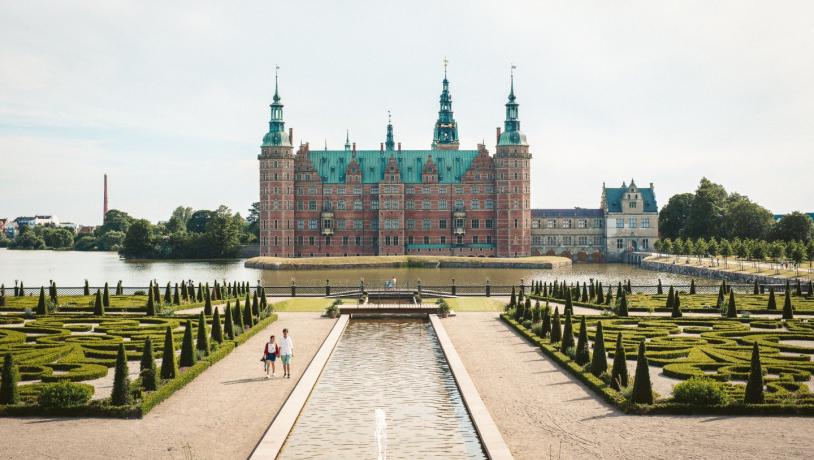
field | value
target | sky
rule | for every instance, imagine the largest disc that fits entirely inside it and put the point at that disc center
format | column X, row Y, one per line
column 170, row 99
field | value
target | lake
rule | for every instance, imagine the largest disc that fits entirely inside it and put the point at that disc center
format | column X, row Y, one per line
column 71, row 268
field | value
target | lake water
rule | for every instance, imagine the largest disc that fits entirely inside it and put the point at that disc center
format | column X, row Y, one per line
column 71, row 268
column 386, row 392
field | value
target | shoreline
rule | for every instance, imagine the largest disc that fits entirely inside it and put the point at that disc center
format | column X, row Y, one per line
column 282, row 263
column 653, row 264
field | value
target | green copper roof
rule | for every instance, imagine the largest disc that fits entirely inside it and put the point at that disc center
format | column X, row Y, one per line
column 332, row 164
column 511, row 127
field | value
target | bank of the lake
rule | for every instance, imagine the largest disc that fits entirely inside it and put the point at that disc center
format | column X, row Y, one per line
column 735, row 271
column 355, row 262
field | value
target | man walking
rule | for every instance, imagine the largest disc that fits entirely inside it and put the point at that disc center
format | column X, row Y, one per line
column 286, row 353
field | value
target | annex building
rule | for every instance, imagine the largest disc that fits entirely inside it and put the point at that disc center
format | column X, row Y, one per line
column 389, row 201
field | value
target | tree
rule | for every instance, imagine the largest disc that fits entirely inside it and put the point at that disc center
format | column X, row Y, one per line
column 138, row 243
column 759, row 251
column 667, row 246
column 810, row 252
column 731, row 309
column 217, row 331
column 168, row 367
column 745, row 219
column 623, row 307
column 27, row 240
column 692, row 286
column 150, row 301
column 642, row 388
column 678, row 247
column 202, row 343
column 114, row 220
column 188, row 356
column 772, row 305
column 228, row 326
column 9, row 394
column 794, row 226
column 556, row 331
column 700, row 248
column 599, row 361
column 121, row 380
column 689, row 248
column 545, row 329
column 797, row 253
column 673, row 216
column 567, row 333
column 754, row 386
column 707, row 211
column 42, row 307
column 149, row 376
column 583, row 354
column 788, row 310
column 106, row 296
column 208, row 303
column 619, row 377
column 713, row 248
column 726, row 251
column 58, row 238
column 110, row 241
column 253, row 219
column 777, row 251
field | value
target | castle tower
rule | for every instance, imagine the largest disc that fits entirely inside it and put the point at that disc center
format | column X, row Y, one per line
column 512, row 163
column 104, row 206
column 445, row 136
column 277, row 185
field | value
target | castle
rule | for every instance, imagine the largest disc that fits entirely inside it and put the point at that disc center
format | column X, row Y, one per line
column 440, row 201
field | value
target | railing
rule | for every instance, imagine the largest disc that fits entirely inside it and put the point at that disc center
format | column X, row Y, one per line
column 486, row 289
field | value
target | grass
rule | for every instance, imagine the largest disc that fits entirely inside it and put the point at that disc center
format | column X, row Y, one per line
column 471, row 304
column 401, row 261
column 302, row 304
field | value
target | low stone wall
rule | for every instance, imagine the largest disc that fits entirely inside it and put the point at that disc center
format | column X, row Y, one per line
column 704, row 272
column 275, row 263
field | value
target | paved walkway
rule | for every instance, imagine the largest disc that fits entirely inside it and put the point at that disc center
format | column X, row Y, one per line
column 542, row 411
column 220, row 415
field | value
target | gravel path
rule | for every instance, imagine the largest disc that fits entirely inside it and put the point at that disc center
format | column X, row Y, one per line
column 542, row 411
column 220, row 415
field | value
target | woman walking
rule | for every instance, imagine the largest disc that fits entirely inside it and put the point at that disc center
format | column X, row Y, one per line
column 270, row 353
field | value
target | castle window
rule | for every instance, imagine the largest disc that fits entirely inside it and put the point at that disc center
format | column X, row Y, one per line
column 490, row 204
column 312, row 225
column 645, row 222
column 410, row 224
column 459, row 239
column 550, row 223
column 374, row 204
column 515, row 223
column 410, row 239
column 459, row 189
column 443, row 240
column 410, row 204
column 344, row 241
column 358, row 241
column 566, row 223
column 489, row 239
column 442, row 204
column 312, row 205
column 475, row 239
column 395, row 241
column 582, row 223
column 475, row 223
column 459, row 204
column 566, row 240
column 300, row 224
column 357, row 204
column 551, row 240
column 340, row 204
column 426, row 224
column 632, row 222
column 645, row 243
column 620, row 243
column 489, row 223
column 340, row 224
column 426, row 205
column 442, row 190
column 620, row 223
column 535, row 224
column 475, row 204
column 426, row 189
column 632, row 204
column 426, row 240
column 311, row 240
column 358, row 224
column 442, row 224
column 583, row 240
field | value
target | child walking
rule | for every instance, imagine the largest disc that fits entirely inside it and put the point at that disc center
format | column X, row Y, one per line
column 270, row 353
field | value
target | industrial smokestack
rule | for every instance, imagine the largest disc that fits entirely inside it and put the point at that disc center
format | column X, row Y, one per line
column 104, row 210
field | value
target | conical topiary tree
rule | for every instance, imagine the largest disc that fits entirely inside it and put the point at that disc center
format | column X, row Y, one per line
column 513, row 299
column 9, row 394
column 247, row 314
column 167, row 294
column 788, row 310
column 600, row 294
column 42, row 307
column 202, row 343
column 659, row 289
column 228, row 322
column 546, row 318
column 583, row 354
column 670, row 294
column 176, row 296
column 556, row 330
column 188, row 356
column 642, row 388
column 150, row 306
column 217, row 330
column 623, row 307
column 106, row 296
column 772, row 302
column 121, row 380
column 731, row 309
column 86, row 289
column 755, row 288
column 149, row 376
column 599, row 361
column 156, row 293
column 168, row 367
column 567, row 333
column 569, row 304
column 675, row 312
column 754, row 386
column 98, row 306
column 238, row 316
column 255, row 305
column 207, row 304
column 692, row 286
column 609, row 297
column 619, row 377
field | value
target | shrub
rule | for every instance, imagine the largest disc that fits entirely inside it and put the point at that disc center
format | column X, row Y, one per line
column 187, row 347
column 149, row 377
column 700, row 391
column 168, row 367
column 642, row 388
column 788, row 311
column 64, row 394
column 106, row 296
column 546, row 317
column 121, row 380
column 731, row 309
column 754, row 386
column 229, row 327
column 582, row 354
column 217, row 331
column 623, row 307
column 567, row 333
column 599, row 362
column 238, row 315
column 619, row 377
column 772, row 302
column 248, row 320
column 150, row 306
column 41, row 306
column 9, row 394
column 86, row 289
column 202, row 343
column 98, row 307
column 208, row 304
column 692, row 286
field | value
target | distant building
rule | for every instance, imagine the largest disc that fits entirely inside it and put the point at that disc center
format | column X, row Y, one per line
column 86, row 230
column 46, row 220
column 3, row 225
column 626, row 222
column 24, row 221
column 69, row 225
column 777, row 217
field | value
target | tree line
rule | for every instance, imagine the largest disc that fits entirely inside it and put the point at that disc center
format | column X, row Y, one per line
column 775, row 251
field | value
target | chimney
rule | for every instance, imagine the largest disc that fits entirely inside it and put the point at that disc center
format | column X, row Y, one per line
column 354, row 148
column 104, row 209
column 381, row 146
column 291, row 135
column 651, row 186
column 399, row 146
column 497, row 141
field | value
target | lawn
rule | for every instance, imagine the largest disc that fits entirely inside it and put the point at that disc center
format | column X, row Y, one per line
column 465, row 304
column 302, row 304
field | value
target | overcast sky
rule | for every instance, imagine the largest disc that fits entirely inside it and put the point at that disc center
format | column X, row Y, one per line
column 172, row 101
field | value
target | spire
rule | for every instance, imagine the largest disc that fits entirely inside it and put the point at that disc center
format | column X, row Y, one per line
column 445, row 136
column 511, row 127
column 277, row 135
column 347, row 139
column 389, row 144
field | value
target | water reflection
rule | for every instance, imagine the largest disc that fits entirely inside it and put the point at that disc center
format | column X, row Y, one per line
column 396, row 367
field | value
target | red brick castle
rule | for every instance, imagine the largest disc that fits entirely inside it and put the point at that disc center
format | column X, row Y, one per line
column 441, row 201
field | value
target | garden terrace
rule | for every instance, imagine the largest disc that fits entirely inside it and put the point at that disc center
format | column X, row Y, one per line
column 682, row 348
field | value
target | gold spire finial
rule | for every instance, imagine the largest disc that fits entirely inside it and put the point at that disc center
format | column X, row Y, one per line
column 446, row 61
